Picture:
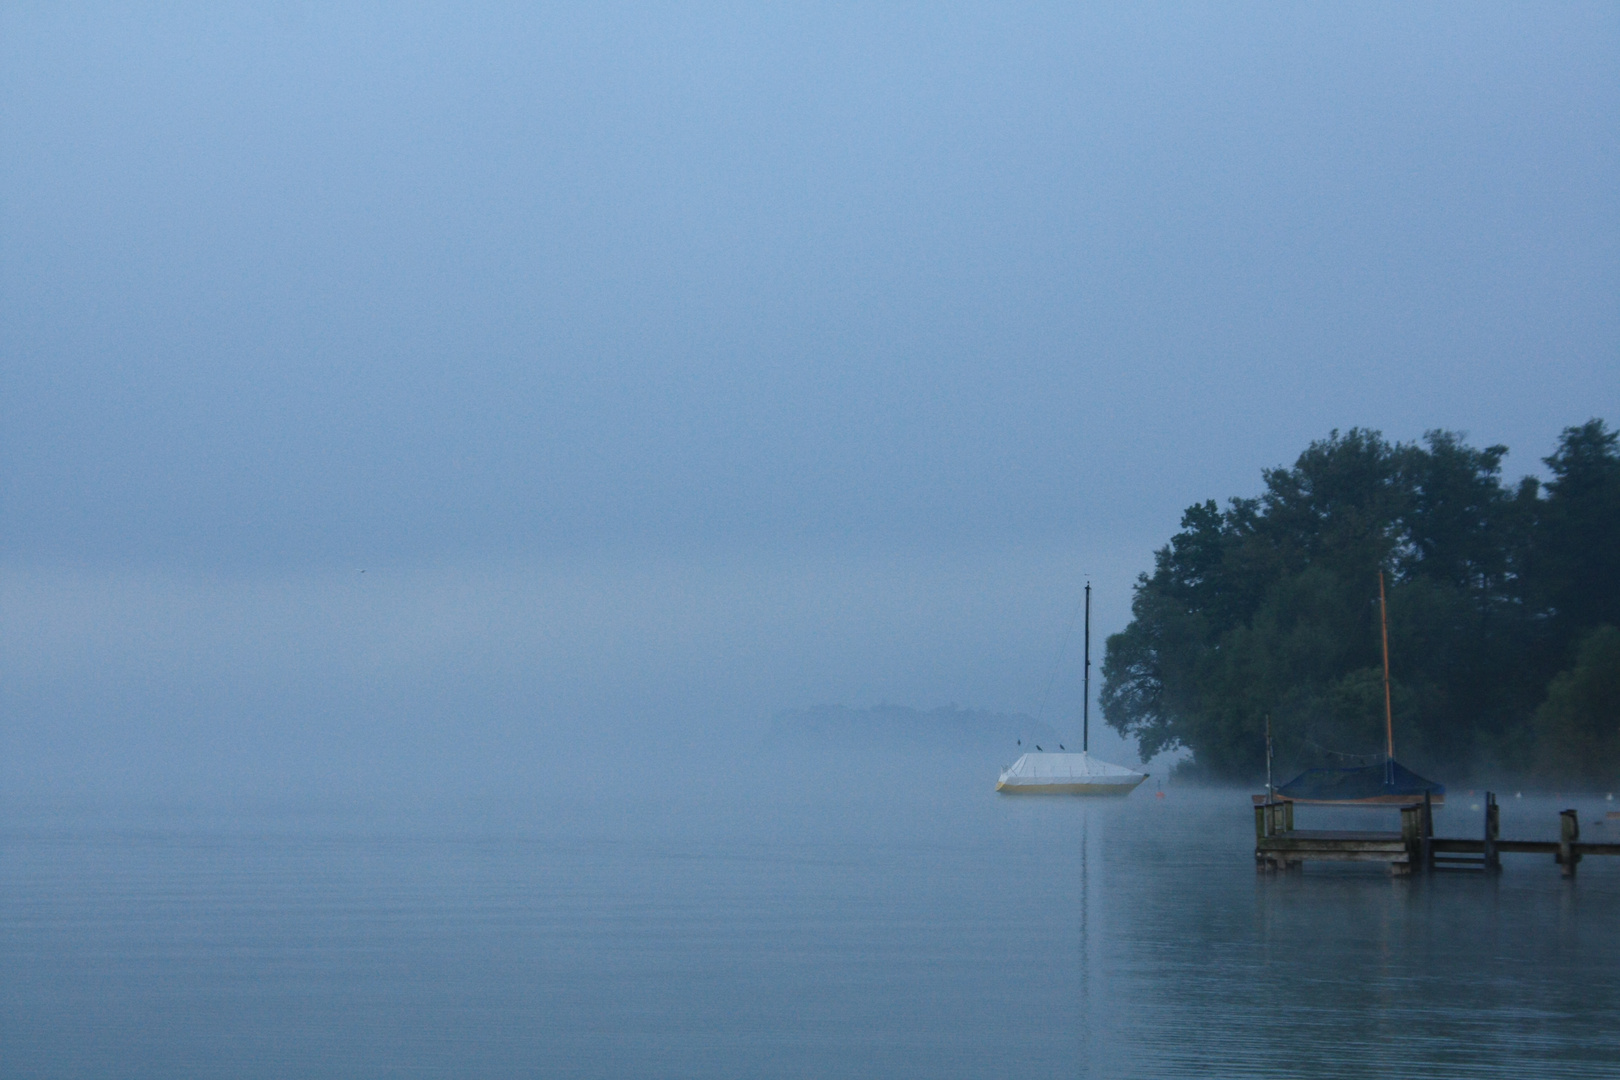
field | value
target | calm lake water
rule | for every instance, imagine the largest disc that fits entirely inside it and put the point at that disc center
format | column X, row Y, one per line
column 870, row 928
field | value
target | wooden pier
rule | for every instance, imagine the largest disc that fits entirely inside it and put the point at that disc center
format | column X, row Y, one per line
column 1280, row 846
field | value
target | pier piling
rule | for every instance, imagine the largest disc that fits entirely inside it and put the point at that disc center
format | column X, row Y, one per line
column 1280, row 846
column 1569, row 831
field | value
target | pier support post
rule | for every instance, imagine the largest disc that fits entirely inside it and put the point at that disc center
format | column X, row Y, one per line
column 1262, row 862
column 1493, row 832
column 1271, row 818
column 1569, row 831
column 1426, row 838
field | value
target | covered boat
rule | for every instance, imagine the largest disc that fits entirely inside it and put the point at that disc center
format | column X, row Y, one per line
column 1067, row 774
column 1041, row 773
column 1387, row 783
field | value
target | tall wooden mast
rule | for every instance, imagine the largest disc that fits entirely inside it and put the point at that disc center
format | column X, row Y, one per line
column 1383, row 624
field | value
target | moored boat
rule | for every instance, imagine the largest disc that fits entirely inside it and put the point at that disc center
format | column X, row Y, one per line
column 1386, row 784
column 1042, row 773
column 1066, row 774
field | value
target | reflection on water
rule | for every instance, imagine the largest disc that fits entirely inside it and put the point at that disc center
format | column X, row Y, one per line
column 860, row 929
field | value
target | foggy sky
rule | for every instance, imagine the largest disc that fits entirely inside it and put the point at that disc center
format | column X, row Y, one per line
column 741, row 356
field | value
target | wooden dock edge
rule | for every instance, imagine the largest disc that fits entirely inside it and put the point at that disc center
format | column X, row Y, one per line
column 1280, row 846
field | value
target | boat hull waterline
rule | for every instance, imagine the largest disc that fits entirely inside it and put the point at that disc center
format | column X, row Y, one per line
column 1068, row 789
column 1066, row 774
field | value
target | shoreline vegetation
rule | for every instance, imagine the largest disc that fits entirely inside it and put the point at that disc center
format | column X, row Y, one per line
column 1504, row 617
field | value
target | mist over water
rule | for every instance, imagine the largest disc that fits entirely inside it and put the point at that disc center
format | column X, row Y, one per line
column 452, row 680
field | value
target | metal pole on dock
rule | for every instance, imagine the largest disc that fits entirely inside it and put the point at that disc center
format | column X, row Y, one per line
column 1271, row 793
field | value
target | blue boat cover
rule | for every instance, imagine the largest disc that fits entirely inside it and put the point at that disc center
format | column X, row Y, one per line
column 1388, row 781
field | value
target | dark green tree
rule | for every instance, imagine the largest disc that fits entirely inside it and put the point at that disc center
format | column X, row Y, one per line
column 1270, row 605
column 1579, row 550
column 1578, row 726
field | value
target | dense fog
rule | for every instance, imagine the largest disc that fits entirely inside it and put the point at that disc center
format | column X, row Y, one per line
column 463, row 398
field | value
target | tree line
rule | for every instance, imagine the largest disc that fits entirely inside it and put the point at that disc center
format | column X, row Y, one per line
column 1503, row 608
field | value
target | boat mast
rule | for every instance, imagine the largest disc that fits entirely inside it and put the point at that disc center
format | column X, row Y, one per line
column 1389, row 719
column 1085, row 705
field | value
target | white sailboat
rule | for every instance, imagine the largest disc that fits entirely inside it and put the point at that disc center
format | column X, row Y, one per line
column 1067, row 774
column 1043, row 773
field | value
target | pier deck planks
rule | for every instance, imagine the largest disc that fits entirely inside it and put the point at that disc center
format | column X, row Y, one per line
column 1280, row 846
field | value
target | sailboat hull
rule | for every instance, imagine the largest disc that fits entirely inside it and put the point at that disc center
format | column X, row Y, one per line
column 1012, row 787
column 1066, row 774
